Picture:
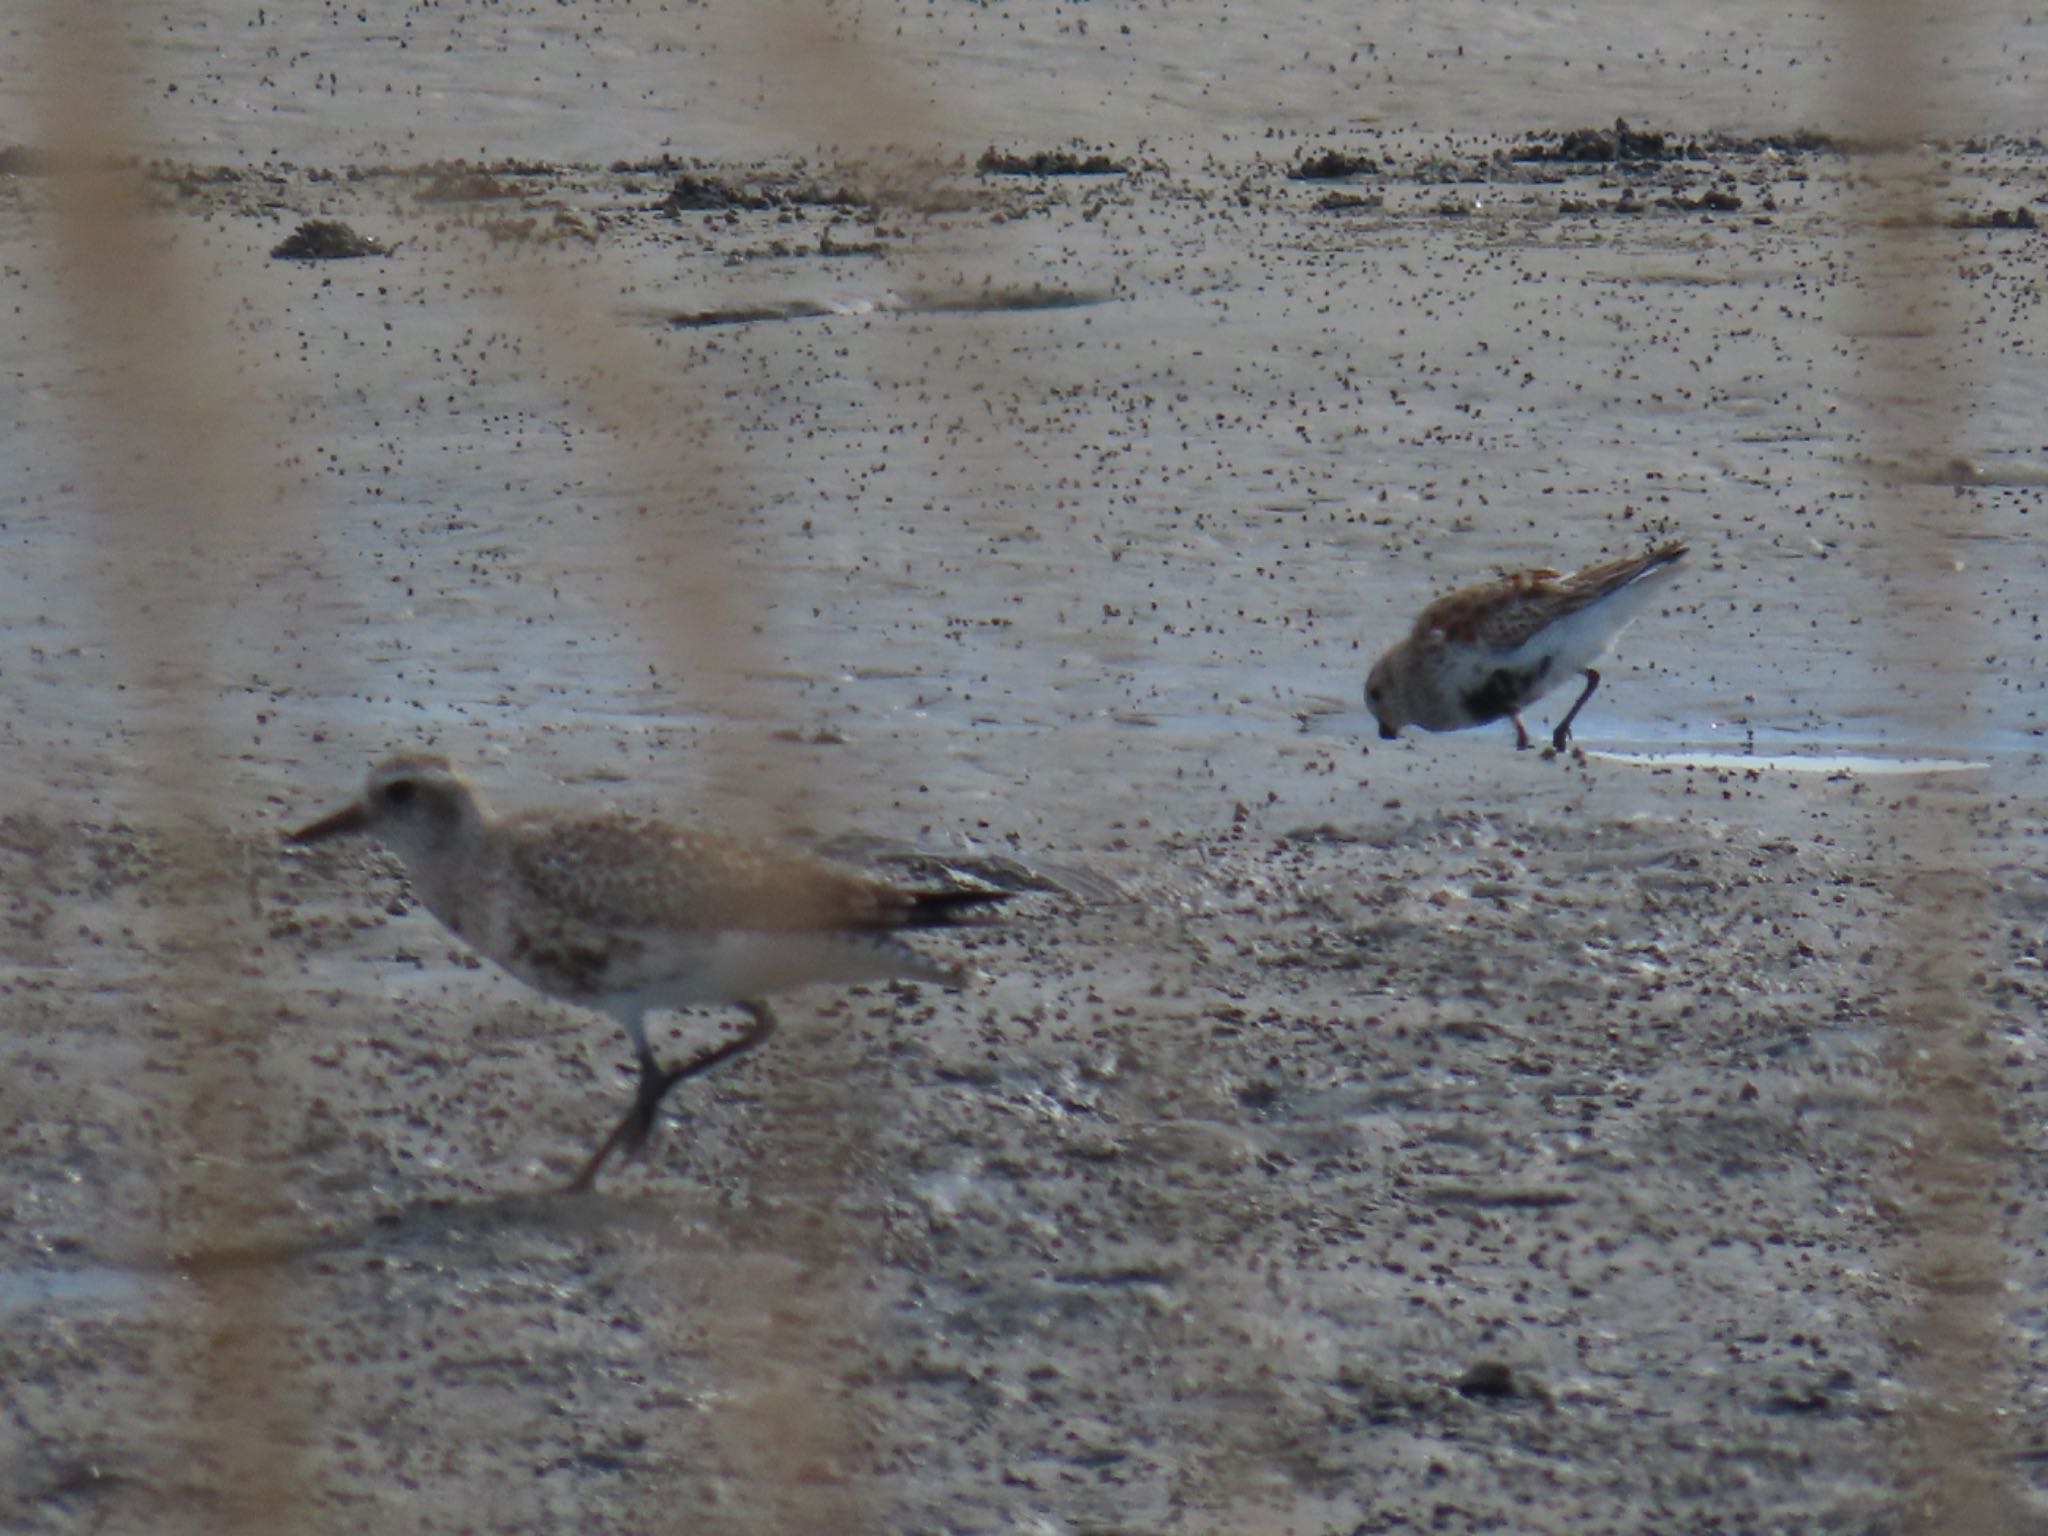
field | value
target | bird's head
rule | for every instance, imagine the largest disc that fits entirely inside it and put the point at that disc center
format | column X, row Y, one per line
column 414, row 803
column 1383, row 697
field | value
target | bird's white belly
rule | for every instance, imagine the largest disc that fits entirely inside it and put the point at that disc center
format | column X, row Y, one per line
column 1572, row 643
column 688, row 970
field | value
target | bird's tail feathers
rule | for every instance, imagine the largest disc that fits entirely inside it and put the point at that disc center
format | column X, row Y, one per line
column 1663, row 555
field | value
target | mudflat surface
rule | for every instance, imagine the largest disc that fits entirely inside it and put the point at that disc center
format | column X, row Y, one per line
column 1429, row 1136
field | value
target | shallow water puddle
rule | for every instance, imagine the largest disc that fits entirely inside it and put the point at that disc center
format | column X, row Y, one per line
column 24, row 1290
column 1791, row 762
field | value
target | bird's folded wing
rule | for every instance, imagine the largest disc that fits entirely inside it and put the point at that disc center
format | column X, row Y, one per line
column 619, row 873
column 1498, row 615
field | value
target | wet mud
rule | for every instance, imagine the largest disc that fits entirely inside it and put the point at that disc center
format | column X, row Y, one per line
column 1428, row 1136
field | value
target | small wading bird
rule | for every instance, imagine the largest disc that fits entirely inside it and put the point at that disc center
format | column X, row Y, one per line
column 1491, row 650
column 629, row 915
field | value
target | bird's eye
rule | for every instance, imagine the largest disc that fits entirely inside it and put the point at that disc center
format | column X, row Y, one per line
column 1373, row 694
column 400, row 794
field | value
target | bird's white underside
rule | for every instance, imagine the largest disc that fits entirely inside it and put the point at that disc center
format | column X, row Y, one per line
column 1573, row 642
column 668, row 971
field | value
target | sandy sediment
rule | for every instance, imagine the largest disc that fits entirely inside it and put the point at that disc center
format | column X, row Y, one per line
column 1430, row 1136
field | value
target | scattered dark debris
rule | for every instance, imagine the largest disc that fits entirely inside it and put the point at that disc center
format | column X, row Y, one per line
column 1036, row 296
column 666, row 165
column 1813, row 1397
column 1489, row 1378
column 1444, row 170
column 80, row 1478
column 827, row 246
column 326, row 240
column 1498, row 1382
column 1715, row 200
column 1386, row 1400
column 1529, row 1197
column 1259, row 1096
column 691, row 193
column 745, row 314
column 193, row 181
column 2021, row 217
column 1048, row 162
column 822, row 736
column 1333, row 165
column 453, row 170
column 700, row 192
column 21, row 160
column 1588, row 146
column 1117, row 1276
column 980, row 301
column 1803, row 142
column 1347, row 202
column 812, row 194
column 1606, row 146
column 932, row 194
column 774, row 250
column 510, row 231
column 563, row 226
column 461, row 184
column 1327, row 832
column 797, row 250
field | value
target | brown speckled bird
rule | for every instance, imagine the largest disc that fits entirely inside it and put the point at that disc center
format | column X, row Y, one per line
column 1489, row 651
column 629, row 915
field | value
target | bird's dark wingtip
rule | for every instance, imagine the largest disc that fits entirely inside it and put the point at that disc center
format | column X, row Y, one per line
column 947, row 908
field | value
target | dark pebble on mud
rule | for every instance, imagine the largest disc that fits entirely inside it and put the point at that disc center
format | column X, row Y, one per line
column 1497, row 1381
column 1999, row 218
column 1048, row 162
column 326, row 240
column 1333, row 165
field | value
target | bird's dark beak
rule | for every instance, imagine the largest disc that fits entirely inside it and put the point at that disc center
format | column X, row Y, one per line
column 1389, row 732
column 350, row 818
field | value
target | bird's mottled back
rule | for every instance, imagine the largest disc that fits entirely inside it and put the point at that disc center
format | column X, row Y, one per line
column 619, row 872
column 1503, row 614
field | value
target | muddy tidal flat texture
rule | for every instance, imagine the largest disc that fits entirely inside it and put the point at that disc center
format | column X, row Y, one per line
column 1428, row 1137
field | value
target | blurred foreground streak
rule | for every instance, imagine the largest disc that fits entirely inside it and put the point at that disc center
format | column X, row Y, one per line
column 790, row 1292
column 1955, row 1458
column 172, row 444
column 167, row 477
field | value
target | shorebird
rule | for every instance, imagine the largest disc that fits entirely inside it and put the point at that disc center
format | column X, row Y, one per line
column 1491, row 650
column 628, row 915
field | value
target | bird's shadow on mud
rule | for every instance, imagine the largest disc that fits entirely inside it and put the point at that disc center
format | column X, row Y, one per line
column 438, row 1222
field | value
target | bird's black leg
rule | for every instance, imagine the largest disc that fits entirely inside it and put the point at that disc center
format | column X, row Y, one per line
column 1563, row 732
column 637, row 1124
column 1522, row 741
column 633, row 1127
column 760, row 1025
